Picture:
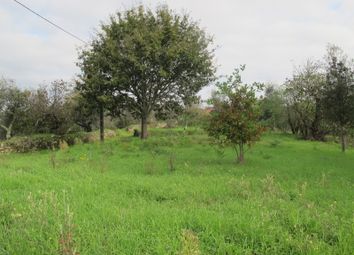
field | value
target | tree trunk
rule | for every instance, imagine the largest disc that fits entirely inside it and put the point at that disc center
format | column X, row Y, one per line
column 241, row 158
column 185, row 123
column 342, row 139
column 8, row 129
column 101, row 123
column 317, row 131
column 143, row 133
column 291, row 124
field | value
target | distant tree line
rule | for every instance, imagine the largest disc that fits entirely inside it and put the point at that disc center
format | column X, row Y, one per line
column 316, row 102
column 58, row 108
column 54, row 109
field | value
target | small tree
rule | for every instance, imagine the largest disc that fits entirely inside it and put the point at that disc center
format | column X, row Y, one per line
column 339, row 93
column 234, row 119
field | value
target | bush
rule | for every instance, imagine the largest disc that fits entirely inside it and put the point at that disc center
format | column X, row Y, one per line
column 50, row 141
column 42, row 142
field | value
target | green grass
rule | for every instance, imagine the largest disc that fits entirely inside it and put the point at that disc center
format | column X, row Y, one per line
column 173, row 194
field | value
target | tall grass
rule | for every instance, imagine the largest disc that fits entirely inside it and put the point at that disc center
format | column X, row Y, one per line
column 173, row 194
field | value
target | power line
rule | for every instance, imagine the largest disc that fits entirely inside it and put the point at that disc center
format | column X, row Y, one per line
column 50, row 22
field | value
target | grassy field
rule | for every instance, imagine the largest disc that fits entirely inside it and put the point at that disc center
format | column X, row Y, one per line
column 173, row 194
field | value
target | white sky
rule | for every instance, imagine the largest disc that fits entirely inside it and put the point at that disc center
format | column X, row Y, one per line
column 269, row 36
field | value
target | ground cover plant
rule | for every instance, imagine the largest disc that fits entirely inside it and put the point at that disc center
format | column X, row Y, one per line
column 173, row 194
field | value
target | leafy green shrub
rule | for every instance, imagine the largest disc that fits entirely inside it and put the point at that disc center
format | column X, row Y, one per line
column 43, row 141
column 32, row 143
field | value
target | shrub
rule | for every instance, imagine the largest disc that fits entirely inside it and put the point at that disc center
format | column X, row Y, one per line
column 234, row 119
column 63, row 145
column 42, row 142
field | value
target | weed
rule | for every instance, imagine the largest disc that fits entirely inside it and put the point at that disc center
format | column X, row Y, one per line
column 270, row 187
column 190, row 243
column 241, row 187
column 171, row 162
column 150, row 167
column 63, row 145
column 103, row 165
column 108, row 150
column 66, row 239
column 53, row 159
column 323, row 180
column 6, row 210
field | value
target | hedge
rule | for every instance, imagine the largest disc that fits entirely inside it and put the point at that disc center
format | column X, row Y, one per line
column 49, row 141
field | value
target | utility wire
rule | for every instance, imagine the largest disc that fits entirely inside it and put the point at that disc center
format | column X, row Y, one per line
column 50, row 22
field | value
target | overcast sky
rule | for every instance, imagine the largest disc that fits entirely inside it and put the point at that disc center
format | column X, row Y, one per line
column 269, row 36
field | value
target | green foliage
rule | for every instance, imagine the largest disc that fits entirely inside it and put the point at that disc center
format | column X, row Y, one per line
column 339, row 94
column 193, row 116
column 44, row 141
column 13, row 106
column 84, row 113
column 95, row 83
column 148, row 61
column 125, row 120
column 6, row 210
column 234, row 118
column 50, row 109
column 303, row 96
column 273, row 109
column 100, row 199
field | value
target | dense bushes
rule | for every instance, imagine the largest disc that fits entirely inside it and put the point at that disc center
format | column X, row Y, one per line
column 41, row 142
column 48, row 141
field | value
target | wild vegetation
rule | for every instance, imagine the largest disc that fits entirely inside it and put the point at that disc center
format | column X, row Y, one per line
column 181, row 191
column 173, row 194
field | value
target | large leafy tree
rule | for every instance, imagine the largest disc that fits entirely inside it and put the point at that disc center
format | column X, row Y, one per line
column 303, row 95
column 234, row 120
column 339, row 93
column 149, row 60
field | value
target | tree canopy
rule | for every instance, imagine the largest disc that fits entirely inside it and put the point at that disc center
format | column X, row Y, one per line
column 149, row 60
column 303, row 96
column 338, row 97
column 13, row 105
